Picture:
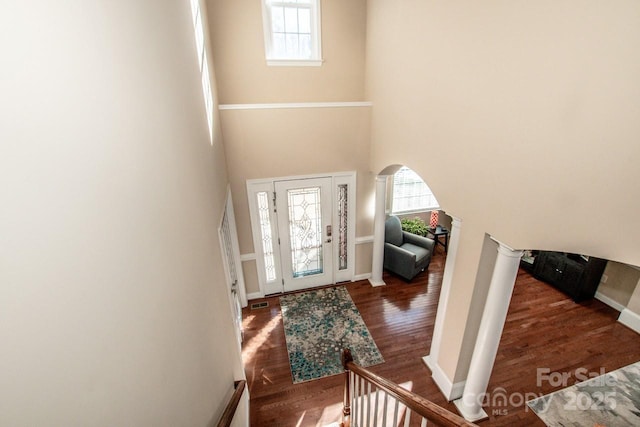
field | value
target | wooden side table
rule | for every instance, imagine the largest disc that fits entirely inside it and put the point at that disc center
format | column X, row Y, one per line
column 438, row 232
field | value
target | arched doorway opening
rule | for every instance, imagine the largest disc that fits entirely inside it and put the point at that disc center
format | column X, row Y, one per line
column 403, row 193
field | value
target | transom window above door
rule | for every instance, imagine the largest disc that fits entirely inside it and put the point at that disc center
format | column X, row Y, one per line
column 292, row 32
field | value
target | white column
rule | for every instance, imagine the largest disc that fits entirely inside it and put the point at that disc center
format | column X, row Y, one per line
column 444, row 383
column 378, row 232
column 491, row 325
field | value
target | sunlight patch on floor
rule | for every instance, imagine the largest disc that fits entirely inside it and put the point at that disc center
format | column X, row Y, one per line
column 330, row 415
column 247, row 320
column 251, row 347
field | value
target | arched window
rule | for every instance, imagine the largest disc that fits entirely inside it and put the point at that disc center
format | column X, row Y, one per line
column 411, row 193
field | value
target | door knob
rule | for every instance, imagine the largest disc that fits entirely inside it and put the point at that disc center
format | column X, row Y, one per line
column 328, row 240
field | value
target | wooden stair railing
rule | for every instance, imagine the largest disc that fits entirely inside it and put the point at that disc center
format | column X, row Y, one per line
column 362, row 394
column 230, row 410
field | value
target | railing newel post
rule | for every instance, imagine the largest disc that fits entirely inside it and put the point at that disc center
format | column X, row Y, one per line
column 347, row 357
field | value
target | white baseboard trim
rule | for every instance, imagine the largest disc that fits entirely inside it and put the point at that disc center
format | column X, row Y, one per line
column 450, row 390
column 359, row 277
column 611, row 303
column 630, row 320
column 255, row 295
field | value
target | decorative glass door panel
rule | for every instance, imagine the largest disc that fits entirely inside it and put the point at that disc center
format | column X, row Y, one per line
column 305, row 231
column 304, row 211
column 266, row 236
column 343, row 227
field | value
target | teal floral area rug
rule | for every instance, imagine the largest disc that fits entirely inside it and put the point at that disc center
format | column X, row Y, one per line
column 318, row 324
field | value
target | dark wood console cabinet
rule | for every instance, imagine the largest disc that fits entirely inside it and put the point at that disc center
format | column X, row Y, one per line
column 571, row 273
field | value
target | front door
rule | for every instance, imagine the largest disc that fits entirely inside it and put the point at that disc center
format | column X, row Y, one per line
column 304, row 211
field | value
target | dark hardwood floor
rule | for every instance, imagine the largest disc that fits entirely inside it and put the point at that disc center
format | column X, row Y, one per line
column 544, row 329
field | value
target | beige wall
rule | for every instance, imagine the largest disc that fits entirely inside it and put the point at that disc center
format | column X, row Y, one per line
column 621, row 282
column 527, row 105
column 481, row 286
column 364, row 258
column 471, row 247
column 531, row 109
column 284, row 142
column 113, row 307
column 290, row 142
column 244, row 77
column 634, row 301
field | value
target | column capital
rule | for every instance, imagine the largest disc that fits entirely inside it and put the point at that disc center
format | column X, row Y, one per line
column 507, row 250
column 456, row 222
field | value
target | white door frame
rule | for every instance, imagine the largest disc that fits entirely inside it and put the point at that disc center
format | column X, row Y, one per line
column 239, row 290
column 324, row 275
column 266, row 187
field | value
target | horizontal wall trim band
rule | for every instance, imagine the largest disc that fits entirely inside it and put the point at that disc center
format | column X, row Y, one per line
column 364, row 239
column 281, row 105
column 247, row 257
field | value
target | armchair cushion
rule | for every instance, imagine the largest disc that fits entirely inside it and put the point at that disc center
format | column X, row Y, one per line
column 419, row 252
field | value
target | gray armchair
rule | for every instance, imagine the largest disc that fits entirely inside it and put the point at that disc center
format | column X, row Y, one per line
column 405, row 254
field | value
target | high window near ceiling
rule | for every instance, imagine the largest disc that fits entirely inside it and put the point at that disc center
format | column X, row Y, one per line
column 292, row 32
column 411, row 193
column 198, row 28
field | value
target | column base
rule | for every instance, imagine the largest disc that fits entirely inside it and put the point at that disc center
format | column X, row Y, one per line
column 375, row 283
column 450, row 390
column 431, row 364
column 470, row 415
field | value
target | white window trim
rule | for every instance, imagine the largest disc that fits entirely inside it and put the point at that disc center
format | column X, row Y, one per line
column 316, row 32
column 415, row 211
column 294, row 62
